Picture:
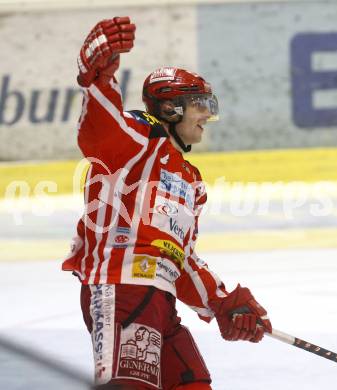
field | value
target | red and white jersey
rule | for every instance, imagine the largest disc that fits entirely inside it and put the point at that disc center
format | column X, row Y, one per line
column 142, row 204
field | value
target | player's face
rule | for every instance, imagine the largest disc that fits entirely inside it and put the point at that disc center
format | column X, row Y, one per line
column 191, row 128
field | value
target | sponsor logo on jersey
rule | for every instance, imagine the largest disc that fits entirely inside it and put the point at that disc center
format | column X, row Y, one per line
column 165, row 206
column 98, row 325
column 139, row 354
column 102, row 324
column 167, row 270
column 175, row 185
column 171, row 249
column 151, row 119
column 144, row 267
column 165, row 218
column 176, row 229
column 122, row 229
column 166, row 209
column 121, row 240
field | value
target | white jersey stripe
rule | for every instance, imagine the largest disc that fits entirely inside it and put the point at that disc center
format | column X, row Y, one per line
column 85, row 220
column 116, row 212
column 103, row 199
column 114, row 112
column 127, row 264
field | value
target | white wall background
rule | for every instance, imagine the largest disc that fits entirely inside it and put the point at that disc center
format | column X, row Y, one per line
column 42, row 49
column 245, row 52
column 241, row 47
column 20, row 5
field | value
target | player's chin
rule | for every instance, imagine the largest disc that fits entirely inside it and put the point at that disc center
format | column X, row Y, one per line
column 196, row 140
column 196, row 137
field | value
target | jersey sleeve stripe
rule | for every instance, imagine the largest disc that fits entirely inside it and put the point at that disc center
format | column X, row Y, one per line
column 115, row 113
column 197, row 281
column 208, row 277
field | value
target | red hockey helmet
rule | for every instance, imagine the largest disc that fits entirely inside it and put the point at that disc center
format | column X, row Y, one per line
column 180, row 87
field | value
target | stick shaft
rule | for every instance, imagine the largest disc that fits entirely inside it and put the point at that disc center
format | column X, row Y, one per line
column 299, row 343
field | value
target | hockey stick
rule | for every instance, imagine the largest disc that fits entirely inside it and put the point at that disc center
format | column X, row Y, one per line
column 299, row 343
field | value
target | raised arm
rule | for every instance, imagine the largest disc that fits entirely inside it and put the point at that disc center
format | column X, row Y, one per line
column 104, row 130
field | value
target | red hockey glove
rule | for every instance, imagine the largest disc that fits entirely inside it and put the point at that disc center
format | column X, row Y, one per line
column 240, row 317
column 99, row 55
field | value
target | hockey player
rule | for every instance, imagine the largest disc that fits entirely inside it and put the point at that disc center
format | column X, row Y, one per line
column 134, row 250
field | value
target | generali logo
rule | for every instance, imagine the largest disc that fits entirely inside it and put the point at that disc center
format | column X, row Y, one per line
column 139, row 354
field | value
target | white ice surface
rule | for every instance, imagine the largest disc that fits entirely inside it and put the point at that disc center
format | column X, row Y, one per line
column 40, row 308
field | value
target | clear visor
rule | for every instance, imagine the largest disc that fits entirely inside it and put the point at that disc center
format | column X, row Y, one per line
column 202, row 102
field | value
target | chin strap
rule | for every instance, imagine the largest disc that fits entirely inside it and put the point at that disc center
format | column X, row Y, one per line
column 173, row 132
column 172, row 126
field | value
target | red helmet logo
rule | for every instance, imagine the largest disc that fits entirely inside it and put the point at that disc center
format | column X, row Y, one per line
column 162, row 74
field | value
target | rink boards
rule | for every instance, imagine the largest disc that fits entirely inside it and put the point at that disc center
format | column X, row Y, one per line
column 263, row 166
column 256, row 201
